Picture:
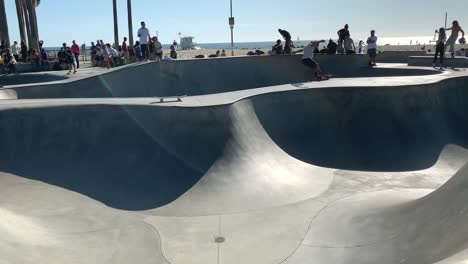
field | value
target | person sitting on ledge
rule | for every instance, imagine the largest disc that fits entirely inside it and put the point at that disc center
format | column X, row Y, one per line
column 138, row 51
column 277, row 48
column 44, row 60
column 259, row 52
column 223, row 53
column 114, row 56
column 11, row 66
column 173, row 54
column 332, row 46
column 218, row 53
column 35, row 60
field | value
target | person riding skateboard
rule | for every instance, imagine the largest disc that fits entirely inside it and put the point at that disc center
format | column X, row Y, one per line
column 308, row 60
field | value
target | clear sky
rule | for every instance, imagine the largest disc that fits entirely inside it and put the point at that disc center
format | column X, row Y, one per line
column 256, row 20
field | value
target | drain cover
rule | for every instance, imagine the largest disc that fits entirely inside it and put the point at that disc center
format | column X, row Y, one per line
column 220, row 240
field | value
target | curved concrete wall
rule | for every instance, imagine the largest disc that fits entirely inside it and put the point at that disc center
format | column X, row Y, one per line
column 206, row 76
column 368, row 129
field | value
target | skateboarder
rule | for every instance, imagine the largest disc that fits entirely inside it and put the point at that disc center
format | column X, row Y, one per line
column 456, row 29
column 308, row 60
column 287, row 38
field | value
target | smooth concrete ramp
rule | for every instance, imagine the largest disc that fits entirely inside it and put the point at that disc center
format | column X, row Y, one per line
column 291, row 174
column 199, row 77
column 426, row 61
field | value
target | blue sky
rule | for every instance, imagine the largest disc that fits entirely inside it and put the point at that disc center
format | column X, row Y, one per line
column 257, row 20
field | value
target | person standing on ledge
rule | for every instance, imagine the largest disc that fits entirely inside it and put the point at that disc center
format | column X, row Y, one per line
column 349, row 46
column 76, row 52
column 144, row 35
column 343, row 34
column 287, row 38
column 456, row 29
column 14, row 50
column 125, row 50
column 440, row 48
column 372, row 48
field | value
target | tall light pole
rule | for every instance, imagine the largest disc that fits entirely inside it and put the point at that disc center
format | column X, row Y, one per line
column 4, row 36
column 446, row 16
column 116, row 26
column 20, row 14
column 130, row 22
column 231, row 25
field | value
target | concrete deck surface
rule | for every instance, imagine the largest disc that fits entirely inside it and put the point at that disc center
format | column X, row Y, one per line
column 353, row 170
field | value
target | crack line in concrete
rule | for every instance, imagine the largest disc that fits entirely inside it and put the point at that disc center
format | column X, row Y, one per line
column 160, row 240
column 219, row 235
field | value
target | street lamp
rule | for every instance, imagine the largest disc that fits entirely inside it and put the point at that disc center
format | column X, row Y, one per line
column 231, row 25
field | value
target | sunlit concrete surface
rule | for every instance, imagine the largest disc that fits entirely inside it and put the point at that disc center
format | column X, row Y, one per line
column 364, row 168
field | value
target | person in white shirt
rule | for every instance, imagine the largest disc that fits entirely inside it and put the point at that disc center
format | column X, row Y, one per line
column 372, row 48
column 308, row 59
column 144, row 35
column 15, row 50
column 349, row 46
column 114, row 55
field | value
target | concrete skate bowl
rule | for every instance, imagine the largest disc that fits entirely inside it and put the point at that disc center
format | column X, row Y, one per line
column 368, row 129
column 206, row 76
column 153, row 184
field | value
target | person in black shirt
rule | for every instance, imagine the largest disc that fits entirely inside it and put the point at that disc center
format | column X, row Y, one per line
column 343, row 34
column 287, row 37
column 331, row 47
column 173, row 53
column 278, row 48
column 24, row 52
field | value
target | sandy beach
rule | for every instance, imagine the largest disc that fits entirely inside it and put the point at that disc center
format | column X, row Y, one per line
column 187, row 54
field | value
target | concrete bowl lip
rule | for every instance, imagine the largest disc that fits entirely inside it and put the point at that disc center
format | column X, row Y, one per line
column 229, row 98
column 140, row 64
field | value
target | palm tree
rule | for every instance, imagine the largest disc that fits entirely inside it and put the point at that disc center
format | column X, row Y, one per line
column 20, row 14
column 3, row 23
column 34, row 32
column 130, row 23
column 116, row 26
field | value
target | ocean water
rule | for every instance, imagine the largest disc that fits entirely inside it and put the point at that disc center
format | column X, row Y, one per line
column 301, row 43
column 216, row 46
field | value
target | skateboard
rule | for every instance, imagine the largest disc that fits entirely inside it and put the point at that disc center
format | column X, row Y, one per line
column 178, row 98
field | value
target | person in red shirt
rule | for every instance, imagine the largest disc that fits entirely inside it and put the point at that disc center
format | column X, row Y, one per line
column 76, row 51
column 125, row 50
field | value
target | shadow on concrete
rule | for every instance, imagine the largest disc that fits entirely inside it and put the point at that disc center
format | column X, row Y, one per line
column 368, row 129
column 98, row 151
column 30, row 78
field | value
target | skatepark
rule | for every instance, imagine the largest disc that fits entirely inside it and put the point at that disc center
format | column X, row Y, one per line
column 255, row 164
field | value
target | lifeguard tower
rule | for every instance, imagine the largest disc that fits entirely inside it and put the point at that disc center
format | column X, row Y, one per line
column 187, row 43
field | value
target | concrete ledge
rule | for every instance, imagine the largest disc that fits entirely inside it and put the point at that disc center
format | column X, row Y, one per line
column 206, row 76
column 458, row 62
column 398, row 56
